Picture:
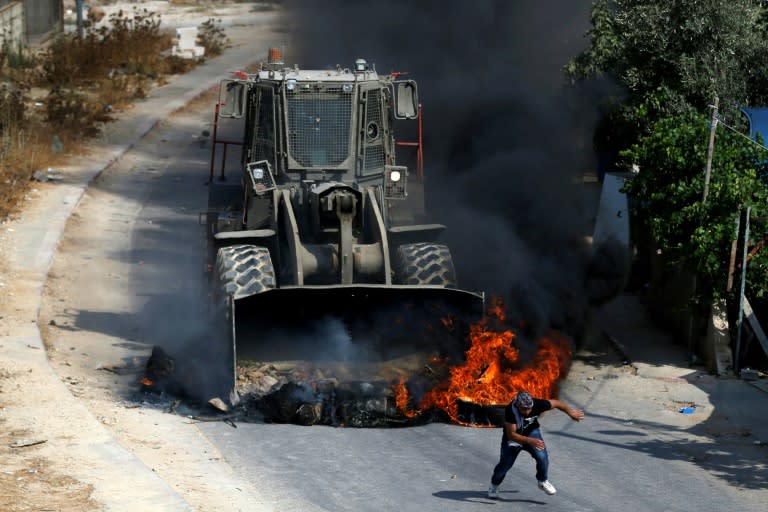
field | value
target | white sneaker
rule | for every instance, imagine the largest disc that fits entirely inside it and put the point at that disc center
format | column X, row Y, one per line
column 493, row 492
column 547, row 487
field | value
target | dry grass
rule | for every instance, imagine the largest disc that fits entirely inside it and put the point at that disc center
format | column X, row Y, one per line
column 86, row 79
column 33, row 486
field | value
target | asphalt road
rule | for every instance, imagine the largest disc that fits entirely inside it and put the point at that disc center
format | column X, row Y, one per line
column 597, row 465
column 129, row 276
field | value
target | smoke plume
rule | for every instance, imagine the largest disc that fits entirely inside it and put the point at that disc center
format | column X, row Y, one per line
column 505, row 143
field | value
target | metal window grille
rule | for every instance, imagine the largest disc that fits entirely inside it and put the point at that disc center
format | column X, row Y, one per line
column 318, row 124
column 264, row 134
column 374, row 151
column 374, row 157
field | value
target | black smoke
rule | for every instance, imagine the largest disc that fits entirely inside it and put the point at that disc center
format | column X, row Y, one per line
column 505, row 141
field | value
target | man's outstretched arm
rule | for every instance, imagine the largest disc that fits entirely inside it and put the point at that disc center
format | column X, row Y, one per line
column 575, row 414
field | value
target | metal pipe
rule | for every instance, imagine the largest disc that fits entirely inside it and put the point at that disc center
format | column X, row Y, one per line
column 741, row 293
column 734, row 247
column 420, row 151
column 213, row 140
column 223, row 162
column 80, row 22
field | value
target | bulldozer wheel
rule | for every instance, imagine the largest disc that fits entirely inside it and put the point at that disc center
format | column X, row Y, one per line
column 244, row 270
column 425, row 264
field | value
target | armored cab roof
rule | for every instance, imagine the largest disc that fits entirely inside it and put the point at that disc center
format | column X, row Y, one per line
column 318, row 75
column 274, row 69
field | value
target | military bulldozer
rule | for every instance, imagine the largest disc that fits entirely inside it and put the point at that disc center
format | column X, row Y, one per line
column 321, row 218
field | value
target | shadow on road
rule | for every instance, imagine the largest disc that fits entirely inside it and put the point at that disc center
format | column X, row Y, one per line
column 481, row 497
column 729, row 456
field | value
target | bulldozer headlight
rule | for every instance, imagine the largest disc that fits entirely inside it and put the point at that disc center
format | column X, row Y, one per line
column 395, row 182
column 346, row 87
column 290, row 84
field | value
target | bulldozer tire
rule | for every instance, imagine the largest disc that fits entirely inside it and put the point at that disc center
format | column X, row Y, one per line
column 425, row 263
column 244, row 270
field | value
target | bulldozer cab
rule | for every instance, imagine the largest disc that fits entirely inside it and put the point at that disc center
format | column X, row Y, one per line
column 314, row 124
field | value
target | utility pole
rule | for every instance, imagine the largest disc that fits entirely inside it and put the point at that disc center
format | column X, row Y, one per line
column 707, row 173
column 80, row 23
column 710, row 148
column 734, row 246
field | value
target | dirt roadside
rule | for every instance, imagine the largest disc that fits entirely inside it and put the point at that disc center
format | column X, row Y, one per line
column 56, row 442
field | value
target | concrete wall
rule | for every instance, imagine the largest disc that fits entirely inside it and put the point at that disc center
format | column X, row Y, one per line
column 12, row 26
column 30, row 21
column 43, row 18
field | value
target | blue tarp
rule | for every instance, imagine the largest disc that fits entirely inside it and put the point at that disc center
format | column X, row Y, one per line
column 758, row 122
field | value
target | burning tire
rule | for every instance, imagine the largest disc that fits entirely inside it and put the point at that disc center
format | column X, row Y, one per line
column 425, row 264
column 244, row 270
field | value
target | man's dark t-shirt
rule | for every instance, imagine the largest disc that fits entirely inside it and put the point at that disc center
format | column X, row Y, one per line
column 525, row 424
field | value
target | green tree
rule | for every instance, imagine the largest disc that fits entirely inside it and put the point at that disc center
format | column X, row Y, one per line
column 669, row 59
column 683, row 51
column 668, row 193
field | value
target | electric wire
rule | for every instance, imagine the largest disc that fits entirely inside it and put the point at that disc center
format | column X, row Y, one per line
column 737, row 132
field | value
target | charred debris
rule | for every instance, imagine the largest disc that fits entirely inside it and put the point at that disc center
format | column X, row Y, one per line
column 275, row 393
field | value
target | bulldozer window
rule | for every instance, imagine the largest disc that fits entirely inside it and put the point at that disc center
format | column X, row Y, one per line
column 318, row 124
column 232, row 99
column 406, row 100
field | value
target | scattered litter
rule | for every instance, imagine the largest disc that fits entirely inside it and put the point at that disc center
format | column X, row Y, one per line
column 688, row 410
column 174, row 405
column 46, row 176
column 757, row 442
column 23, row 443
column 219, row 404
column 749, row 374
column 112, row 368
column 56, row 145
column 115, row 72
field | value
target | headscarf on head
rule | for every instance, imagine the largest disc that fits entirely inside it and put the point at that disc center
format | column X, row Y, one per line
column 523, row 400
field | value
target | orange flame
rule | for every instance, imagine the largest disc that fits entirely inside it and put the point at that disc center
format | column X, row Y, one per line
column 402, row 397
column 491, row 373
column 147, row 382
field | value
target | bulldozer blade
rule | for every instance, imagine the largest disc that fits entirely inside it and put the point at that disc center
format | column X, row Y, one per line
column 353, row 323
